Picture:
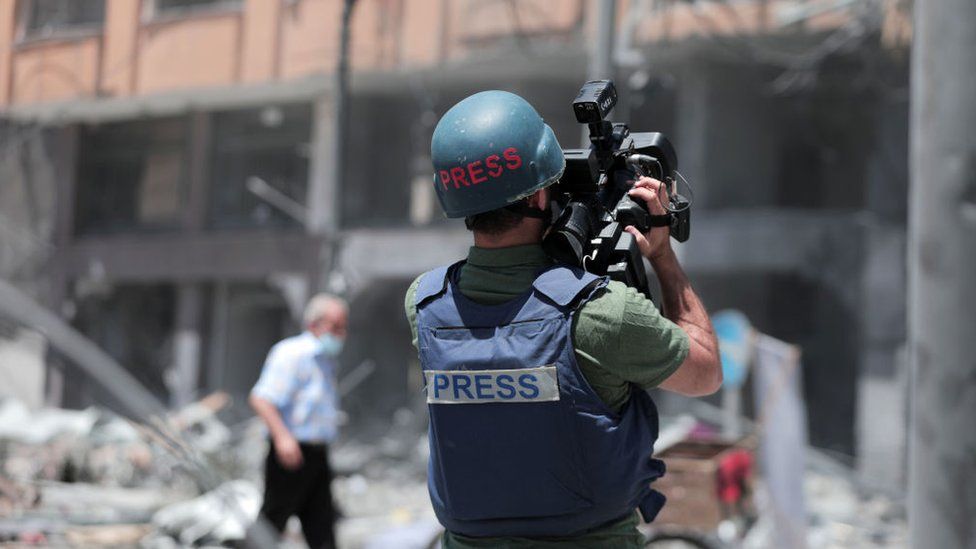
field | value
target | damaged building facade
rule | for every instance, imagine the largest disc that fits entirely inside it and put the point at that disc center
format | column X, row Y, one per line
column 168, row 180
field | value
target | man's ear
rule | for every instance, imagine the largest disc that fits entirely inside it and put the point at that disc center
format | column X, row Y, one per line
column 540, row 199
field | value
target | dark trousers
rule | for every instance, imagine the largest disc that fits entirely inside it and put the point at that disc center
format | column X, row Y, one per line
column 305, row 492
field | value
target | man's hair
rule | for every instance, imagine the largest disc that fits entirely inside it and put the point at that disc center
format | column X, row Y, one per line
column 493, row 222
column 320, row 305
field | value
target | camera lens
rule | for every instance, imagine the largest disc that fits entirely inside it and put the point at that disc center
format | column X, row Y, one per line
column 568, row 236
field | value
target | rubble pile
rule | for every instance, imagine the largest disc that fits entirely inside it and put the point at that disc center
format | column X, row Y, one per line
column 91, row 478
column 222, row 514
column 843, row 514
column 381, row 486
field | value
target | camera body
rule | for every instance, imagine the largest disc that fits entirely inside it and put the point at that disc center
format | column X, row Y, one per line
column 592, row 193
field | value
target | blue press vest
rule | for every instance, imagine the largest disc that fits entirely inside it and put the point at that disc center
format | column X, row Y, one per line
column 502, row 463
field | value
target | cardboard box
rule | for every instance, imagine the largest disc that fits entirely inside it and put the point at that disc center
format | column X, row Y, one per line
column 691, row 485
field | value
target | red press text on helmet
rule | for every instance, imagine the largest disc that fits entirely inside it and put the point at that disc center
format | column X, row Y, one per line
column 480, row 171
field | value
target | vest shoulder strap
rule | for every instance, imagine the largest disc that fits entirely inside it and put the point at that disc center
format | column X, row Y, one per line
column 432, row 284
column 565, row 285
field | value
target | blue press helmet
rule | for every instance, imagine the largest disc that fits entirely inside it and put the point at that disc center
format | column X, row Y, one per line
column 491, row 150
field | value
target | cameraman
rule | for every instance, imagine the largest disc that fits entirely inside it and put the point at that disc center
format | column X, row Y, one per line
column 541, row 431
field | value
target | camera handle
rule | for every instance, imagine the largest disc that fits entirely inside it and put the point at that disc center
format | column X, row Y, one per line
column 631, row 212
column 678, row 216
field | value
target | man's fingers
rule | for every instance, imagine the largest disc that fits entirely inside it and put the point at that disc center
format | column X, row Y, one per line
column 642, row 244
column 648, row 182
column 293, row 461
column 650, row 197
column 290, row 456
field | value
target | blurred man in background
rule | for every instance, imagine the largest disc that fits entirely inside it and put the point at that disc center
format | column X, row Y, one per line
column 296, row 397
column 541, row 432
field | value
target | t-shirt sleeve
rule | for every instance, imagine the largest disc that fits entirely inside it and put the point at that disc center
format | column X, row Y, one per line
column 411, row 309
column 625, row 335
column 278, row 379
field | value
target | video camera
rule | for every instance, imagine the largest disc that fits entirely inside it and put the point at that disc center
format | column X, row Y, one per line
column 592, row 193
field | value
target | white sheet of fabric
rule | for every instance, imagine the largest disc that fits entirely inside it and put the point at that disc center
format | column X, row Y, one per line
column 783, row 437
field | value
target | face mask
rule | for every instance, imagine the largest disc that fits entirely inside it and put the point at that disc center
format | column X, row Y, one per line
column 330, row 345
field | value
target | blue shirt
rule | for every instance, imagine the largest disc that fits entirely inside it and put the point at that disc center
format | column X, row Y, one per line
column 301, row 382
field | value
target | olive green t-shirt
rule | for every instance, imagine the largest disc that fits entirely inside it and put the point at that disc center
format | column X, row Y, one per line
column 619, row 337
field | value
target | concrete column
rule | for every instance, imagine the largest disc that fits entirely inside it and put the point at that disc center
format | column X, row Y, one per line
column 217, row 352
column 942, row 268
column 882, row 394
column 322, row 198
column 601, row 54
column 194, row 217
column 185, row 373
column 882, row 408
column 62, row 150
column 323, row 195
column 691, row 123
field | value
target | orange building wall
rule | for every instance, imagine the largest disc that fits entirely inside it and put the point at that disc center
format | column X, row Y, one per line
column 7, row 11
column 260, row 49
column 424, row 46
column 52, row 71
column 289, row 39
column 121, row 39
column 495, row 19
column 265, row 40
column 189, row 53
column 307, row 46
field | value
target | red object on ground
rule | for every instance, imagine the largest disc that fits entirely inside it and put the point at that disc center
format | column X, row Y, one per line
column 733, row 473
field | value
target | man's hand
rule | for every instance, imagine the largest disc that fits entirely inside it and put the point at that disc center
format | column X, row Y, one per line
column 288, row 451
column 656, row 242
column 701, row 372
column 285, row 446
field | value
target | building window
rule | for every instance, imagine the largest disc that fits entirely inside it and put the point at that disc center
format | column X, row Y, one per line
column 131, row 176
column 164, row 8
column 260, row 167
column 43, row 18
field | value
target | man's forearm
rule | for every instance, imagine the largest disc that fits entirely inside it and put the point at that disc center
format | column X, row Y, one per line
column 682, row 306
column 268, row 413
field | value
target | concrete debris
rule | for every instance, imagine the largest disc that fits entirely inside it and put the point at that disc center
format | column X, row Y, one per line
column 19, row 424
column 90, row 446
column 417, row 535
column 89, row 478
column 841, row 514
column 84, row 503
column 60, row 512
column 381, row 486
column 199, row 424
column 219, row 516
column 115, row 535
